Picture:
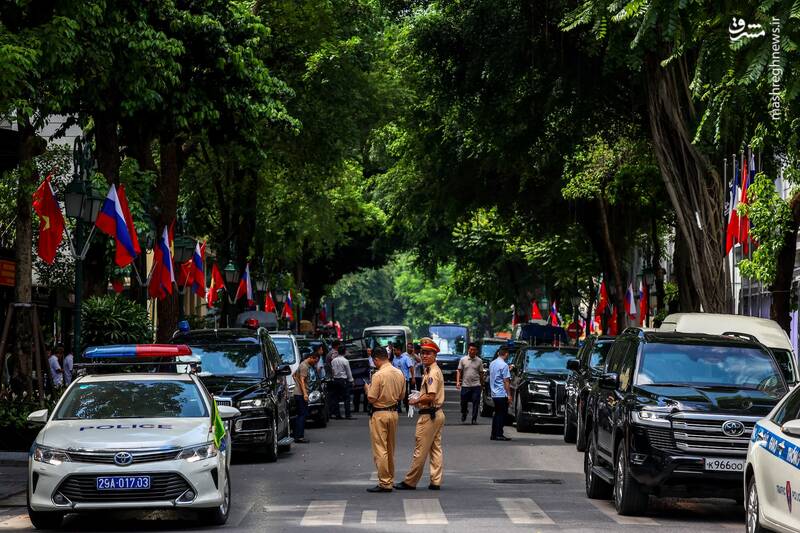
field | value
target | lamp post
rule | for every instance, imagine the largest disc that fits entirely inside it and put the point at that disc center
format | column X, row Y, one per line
column 83, row 205
column 575, row 300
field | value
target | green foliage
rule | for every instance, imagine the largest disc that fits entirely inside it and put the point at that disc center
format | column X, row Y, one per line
column 14, row 409
column 771, row 219
column 114, row 320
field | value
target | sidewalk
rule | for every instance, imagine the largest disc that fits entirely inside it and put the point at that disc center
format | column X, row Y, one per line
column 13, row 481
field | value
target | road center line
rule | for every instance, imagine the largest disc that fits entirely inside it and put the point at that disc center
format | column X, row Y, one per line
column 324, row 513
column 421, row 512
column 607, row 508
column 524, row 511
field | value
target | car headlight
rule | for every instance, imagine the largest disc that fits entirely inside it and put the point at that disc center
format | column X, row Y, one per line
column 651, row 417
column 199, row 452
column 314, row 396
column 539, row 387
column 52, row 456
column 256, row 403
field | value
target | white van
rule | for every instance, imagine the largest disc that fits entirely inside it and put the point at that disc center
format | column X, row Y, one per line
column 383, row 335
column 765, row 331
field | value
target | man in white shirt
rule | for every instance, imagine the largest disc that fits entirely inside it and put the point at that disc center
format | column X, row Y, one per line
column 342, row 385
column 56, row 373
column 469, row 380
column 500, row 388
column 67, row 369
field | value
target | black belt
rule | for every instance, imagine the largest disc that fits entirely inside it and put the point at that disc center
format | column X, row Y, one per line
column 429, row 411
column 390, row 408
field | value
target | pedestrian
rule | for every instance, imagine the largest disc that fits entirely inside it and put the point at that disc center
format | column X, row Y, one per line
column 319, row 350
column 428, row 436
column 301, row 395
column 333, row 352
column 342, row 384
column 384, row 392
column 469, row 380
column 68, row 365
column 404, row 363
column 500, row 389
column 418, row 367
column 56, row 372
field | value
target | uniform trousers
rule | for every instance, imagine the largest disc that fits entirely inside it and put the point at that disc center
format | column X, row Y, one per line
column 383, row 434
column 428, row 441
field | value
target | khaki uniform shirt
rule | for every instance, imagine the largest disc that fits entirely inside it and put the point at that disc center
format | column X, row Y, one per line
column 433, row 383
column 302, row 371
column 388, row 386
column 471, row 369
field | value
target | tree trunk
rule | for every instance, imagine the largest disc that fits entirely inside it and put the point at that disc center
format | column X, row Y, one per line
column 613, row 264
column 166, row 205
column 656, row 265
column 694, row 186
column 781, row 288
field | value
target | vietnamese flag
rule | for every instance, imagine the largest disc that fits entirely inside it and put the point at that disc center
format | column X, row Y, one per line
column 535, row 313
column 603, row 303
column 51, row 221
column 269, row 303
column 217, row 284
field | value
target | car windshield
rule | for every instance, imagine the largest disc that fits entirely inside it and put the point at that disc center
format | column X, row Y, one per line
column 241, row 360
column 546, row 360
column 450, row 339
column 285, row 347
column 383, row 339
column 599, row 353
column 488, row 351
column 786, row 362
column 712, row 366
column 132, row 399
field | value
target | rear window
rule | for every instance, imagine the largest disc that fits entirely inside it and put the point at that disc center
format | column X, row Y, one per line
column 488, row 351
column 241, row 360
column 132, row 399
column 285, row 347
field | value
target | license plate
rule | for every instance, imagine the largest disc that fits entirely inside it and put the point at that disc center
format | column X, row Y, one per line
column 123, row 483
column 724, row 465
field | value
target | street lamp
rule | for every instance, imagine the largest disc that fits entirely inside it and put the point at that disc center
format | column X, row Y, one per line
column 83, row 205
column 184, row 248
column 230, row 273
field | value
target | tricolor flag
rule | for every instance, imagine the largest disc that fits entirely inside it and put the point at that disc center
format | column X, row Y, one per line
column 288, row 311
column 51, row 221
column 217, row 284
column 748, row 176
column 643, row 302
column 603, row 302
column 535, row 313
column 113, row 221
column 630, row 303
column 553, row 315
column 732, row 232
column 163, row 275
column 269, row 303
column 198, row 270
column 245, row 287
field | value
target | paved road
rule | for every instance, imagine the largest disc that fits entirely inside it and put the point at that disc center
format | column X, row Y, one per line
column 534, row 483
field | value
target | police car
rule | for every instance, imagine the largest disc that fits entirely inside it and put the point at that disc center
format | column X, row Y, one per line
column 772, row 471
column 148, row 440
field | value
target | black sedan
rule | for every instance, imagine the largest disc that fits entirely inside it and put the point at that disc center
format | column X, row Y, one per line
column 538, row 382
column 585, row 371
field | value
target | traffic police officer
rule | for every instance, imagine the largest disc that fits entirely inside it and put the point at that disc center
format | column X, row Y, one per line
column 385, row 392
column 430, row 422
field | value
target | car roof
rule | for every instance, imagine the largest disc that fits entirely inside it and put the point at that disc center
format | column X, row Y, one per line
column 217, row 336
column 494, row 339
column 136, row 376
column 672, row 337
column 768, row 332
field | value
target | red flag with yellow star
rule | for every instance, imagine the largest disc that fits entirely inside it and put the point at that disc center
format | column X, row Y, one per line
column 51, row 221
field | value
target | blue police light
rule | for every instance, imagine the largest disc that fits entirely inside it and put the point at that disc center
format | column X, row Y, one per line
column 183, row 326
column 136, row 351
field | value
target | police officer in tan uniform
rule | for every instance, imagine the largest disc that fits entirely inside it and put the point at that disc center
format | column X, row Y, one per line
column 386, row 390
column 430, row 422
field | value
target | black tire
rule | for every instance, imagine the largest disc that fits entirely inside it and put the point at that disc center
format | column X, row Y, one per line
column 286, row 447
column 570, row 431
column 44, row 519
column 525, row 424
column 271, row 450
column 219, row 515
column 752, row 510
column 596, row 488
column 582, row 438
column 629, row 498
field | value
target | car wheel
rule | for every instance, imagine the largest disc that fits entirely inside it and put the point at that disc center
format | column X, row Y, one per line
column 272, row 445
column 524, row 423
column 753, row 524
column 219, row 515
column 596, row 488
column 570, row 431
column 582, row 436
column 629, row 498
column 286, row 447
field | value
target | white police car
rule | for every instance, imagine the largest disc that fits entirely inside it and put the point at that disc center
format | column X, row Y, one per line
column 131, row 441
column 772, row 471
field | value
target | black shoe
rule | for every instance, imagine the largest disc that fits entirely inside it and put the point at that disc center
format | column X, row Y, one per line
column 474, row 422
column 301, row 440
column 404, row 486
column 378, row 488
column 502, row 438
column 463, row 418
column 351, row 418
column 492, row 438
column 434, row 487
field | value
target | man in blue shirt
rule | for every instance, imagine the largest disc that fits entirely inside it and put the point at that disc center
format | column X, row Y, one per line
column 405, row 364
column 500, row 388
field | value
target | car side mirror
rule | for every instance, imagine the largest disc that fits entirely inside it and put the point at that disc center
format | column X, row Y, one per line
column 39, row 417
column 226, row 412
column 284, row 370
column 609, row 380
column 791, row 428
column 574, row 365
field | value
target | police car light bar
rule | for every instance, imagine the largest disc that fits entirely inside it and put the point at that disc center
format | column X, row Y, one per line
column 137, row 351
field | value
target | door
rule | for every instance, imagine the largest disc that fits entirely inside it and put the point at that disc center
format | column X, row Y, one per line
column 280, row 390
column 607, row 400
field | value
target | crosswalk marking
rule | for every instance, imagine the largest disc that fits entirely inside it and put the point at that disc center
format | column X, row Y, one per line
column 524, row 511
column 324, row 513
column 422, row 512
column 607, row 508
column 369, row 517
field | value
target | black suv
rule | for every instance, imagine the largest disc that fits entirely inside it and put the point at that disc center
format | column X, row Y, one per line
column 673, row 414
column 585, row 370
column 538, row 383
column 242, row 368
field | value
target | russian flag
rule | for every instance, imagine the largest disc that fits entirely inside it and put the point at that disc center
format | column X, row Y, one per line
column 245, row 287
column 113, row 220
column 163, row 270
column 643, row 302
column 288, row 311
column 630, row 303
column 553, row 315
column 198, row 270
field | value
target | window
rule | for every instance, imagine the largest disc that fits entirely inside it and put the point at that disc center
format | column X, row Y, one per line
column 546, row 360
column 615, row 357
column 790, row 410
column 285, row 347
column 628, row 363
column 240, row 360
column 785, row 360
column 598, row 355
